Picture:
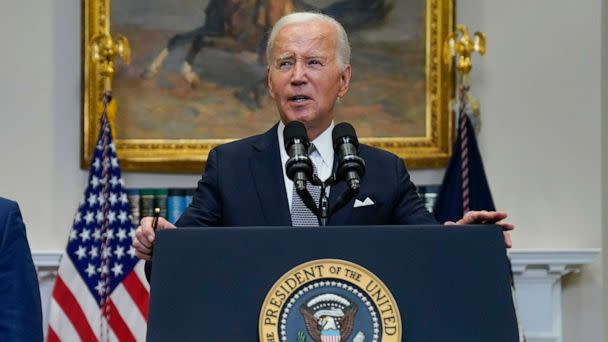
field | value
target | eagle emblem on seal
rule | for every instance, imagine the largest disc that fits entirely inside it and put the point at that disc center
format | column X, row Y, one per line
column 330, row 318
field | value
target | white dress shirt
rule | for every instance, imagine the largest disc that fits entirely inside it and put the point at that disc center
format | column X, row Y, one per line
column 322, row 157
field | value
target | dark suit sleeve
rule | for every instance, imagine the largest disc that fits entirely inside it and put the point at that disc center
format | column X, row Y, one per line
column 410, row 208
column 206, row 208
column 20, row 310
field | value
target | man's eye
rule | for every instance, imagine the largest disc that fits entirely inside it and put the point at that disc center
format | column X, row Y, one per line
column 284, row 64
column 314, row 62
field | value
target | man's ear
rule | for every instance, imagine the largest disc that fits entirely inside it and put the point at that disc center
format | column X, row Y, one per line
column 269, row 83
column 345, row 80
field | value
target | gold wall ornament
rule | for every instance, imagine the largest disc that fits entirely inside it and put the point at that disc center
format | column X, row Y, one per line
column 103, row 51
column 461, row 45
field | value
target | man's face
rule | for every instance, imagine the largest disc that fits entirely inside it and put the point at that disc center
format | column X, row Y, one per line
column 304, row 78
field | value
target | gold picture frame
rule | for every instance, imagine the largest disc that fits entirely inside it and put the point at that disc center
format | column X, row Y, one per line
column 188, row 155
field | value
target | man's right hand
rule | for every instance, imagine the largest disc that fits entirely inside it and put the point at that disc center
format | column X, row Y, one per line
column 143, row 241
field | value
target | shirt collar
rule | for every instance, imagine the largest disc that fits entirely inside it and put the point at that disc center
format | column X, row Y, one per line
column 322, row 143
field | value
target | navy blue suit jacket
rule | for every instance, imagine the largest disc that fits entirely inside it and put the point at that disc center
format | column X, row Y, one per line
column 20, row 311
column 243, row 185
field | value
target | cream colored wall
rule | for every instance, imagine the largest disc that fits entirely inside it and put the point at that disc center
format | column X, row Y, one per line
column 540, row 88
column 39, row 96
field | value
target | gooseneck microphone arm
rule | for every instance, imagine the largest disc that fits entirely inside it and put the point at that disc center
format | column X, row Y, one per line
column 351, row 167
column 344, row 198
column 299, row 166
column 325, row 211
column 309, row 202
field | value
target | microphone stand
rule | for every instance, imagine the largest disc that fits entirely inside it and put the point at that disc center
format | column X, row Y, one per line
column 324, row 211
column 323, row 215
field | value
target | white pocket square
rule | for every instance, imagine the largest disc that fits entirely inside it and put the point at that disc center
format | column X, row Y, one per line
column 364, row 203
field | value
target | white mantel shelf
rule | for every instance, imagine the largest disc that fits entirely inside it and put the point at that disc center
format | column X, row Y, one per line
column 537, row 274
column 560, row 261
column 46, row 259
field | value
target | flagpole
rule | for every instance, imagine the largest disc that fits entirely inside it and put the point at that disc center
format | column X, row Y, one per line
column 460, row 45
column 104, row 50
column 100, row 292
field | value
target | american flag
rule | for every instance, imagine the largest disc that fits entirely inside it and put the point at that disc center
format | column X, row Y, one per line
column 101, row 293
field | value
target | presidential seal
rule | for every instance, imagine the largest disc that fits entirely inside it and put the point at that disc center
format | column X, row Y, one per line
column 329, row 300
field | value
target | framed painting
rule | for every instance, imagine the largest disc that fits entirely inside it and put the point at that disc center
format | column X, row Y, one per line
column 198, row 77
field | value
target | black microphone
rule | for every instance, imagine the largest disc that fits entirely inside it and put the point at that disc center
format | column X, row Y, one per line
column 351, row 167
column 298, row 167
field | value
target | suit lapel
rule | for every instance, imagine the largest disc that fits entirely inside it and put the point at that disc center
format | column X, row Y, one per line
column 266, row 171
column 267, row 174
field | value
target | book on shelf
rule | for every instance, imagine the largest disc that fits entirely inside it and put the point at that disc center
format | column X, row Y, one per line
column 146, row 204
column 171, row 201
column 176, row 204
column 134, row 200
column 160, row 200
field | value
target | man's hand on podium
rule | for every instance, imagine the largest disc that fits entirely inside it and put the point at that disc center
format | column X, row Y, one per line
column 143, row 241
column 487, row 217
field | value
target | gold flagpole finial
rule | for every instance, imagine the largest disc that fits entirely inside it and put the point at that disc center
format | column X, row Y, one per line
column 461, row 45
column 104, row 50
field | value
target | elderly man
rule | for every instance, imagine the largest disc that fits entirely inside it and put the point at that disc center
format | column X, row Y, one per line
column 244, row 183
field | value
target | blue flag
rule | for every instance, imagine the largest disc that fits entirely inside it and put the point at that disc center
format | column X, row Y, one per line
column 464, row 186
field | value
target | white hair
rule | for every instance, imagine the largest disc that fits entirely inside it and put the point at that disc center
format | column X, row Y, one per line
column 342, row 46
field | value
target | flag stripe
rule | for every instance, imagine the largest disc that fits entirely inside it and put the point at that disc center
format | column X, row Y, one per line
column 51, row 336
column 73, row 311
column 118, row 325
column 141, row 274
column 76, row 285
column 60, row 324
column 138, row 293
column 133, row 318
column 112, row 336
